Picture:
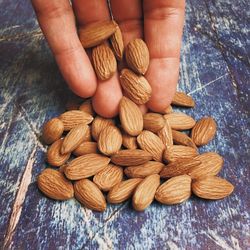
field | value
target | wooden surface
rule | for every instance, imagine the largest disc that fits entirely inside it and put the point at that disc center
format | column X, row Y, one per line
column 215, row 70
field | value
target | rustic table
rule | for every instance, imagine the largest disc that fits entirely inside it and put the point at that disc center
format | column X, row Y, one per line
column 215, row 70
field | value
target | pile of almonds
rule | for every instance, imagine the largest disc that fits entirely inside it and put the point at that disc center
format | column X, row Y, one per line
column 99, row 159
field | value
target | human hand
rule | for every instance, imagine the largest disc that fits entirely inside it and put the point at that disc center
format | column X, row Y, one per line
column 158, row 22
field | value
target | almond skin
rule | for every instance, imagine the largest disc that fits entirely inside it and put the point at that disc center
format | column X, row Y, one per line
column 131, row 157
column 54, row 185
column 180, row 121
column 168, row 110
column 165, row 134
column 130, row 116
column 151, row 143
column 110, row 140
column 129, row 141
column 175, row 190
column 108, row 177
column 183, row 100
column 123, row 190
column 153, row 122
column 144, row 170
column 86, row 106
column 137, row 56
column 180, row 138
column 88, row 194
column 204, row 131
column 85, row 148
column 212, row 188
column 86, row 166
column 117, row 43
column 74, row 138
column 52, row 130
column 72, row 118
column 96, row 33
column 145, row 192
column 104, row 62
column 176, row 152
column 54, row 156
column 136, row 87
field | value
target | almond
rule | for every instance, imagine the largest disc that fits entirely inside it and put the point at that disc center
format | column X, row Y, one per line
column 211, row 164
column 151, row 143
column 87, row 135
column 130, row 116
column 95, row 33
column 212, row 188
column 117, row 43
column 153, row 122
column 52, row 130
column 180, row 121
column 168, row 110
column 86, row 106
column 104, row 62
column 136, row 87
column 131, row 157
column 137, row 56
column 179, row 167
column 175, row 190
column 86, row 166
column 165, row 134
column 54, row 156
column 182, row 99
column 176, row 152
column 145, row 192
column 204, row 131
column 144, row 170
column 180, row 138
column 110, row 140
column 108, row 177
column 54, row 185
column 73, row 118
column 88, row 194
column 129, row 141
column 85, row 148
column 123, row 190
column 74, row 138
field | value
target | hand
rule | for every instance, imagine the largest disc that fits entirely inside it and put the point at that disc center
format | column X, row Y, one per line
column 158, row 22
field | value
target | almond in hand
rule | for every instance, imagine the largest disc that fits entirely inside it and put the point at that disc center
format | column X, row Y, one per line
column 153, row 122
column 204, row 131
column 175, row 190
column 99, row 124
column 88, row 194
column 182, row 99
column 85, row 148
column 165, row 134
column 180, row 138
column 145, row 192
column 212, row 188
column 54, row 185
column 117, row 43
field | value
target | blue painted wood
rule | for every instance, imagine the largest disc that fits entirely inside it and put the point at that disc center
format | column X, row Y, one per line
column 214, row 70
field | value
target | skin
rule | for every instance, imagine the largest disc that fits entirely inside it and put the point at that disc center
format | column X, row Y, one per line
column 158, row 22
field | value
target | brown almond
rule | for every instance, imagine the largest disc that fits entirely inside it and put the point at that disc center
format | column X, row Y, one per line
column 73, row 118
column 130, row 116
column 54, row 185
column 180, row 138
column 165, row 134
column 104, row 62
column 131, row 157
column 175, row 190
column 88, row 194
column 153, row 122
column 204, row 131
column 180, row 121
column 85, row 148
column 212, row 188
column 168, row 110
column 87, row 136
column 74, row 138
column 136, row 87
column 176, row 152
column 117, row 43
column 86, row 106
column 96, row 33
column 145, row 192
column 183, row 100
column 86, row 166
column 137, row 56
column 144, row 170
column 52, row 130
column 123, row 190
column 110, row 140
column 54, row 156
column 108, row 177
column 179, row 167
column 151, row 143
column 129, row 141
column 99, row 124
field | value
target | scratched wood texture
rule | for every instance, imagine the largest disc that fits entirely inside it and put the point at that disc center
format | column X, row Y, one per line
column 215, row 70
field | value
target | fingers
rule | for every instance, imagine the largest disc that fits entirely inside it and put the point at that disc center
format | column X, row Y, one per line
column 57, row 22
column 163, row 25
